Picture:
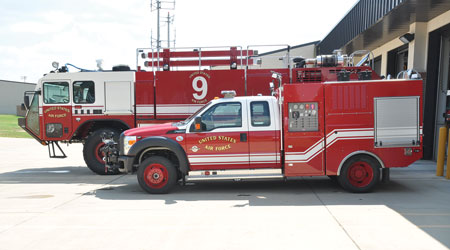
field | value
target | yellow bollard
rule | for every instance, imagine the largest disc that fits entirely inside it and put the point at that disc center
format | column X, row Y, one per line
column 448, row 160
column 441, row 151
column 448, row 173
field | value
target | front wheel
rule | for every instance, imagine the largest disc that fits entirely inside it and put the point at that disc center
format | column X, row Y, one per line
column 359, row 174
column 157, row 175
column 93, row 156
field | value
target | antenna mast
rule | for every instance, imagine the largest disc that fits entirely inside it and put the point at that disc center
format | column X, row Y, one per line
column 158, row 5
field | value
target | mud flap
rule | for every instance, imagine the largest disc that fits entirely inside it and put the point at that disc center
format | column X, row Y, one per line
column 385, row 175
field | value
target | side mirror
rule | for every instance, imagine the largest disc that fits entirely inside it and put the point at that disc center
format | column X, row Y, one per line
column 198, row 124
column 26, row 102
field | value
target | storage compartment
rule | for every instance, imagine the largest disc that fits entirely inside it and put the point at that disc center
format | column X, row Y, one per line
column 118, row 98
column 397, row 121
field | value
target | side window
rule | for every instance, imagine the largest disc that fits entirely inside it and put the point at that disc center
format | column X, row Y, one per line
column 223, row 115
column 56, row 92
column 84, row 92
column 260, row 114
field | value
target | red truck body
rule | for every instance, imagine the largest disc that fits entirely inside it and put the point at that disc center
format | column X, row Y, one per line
column 352, row 130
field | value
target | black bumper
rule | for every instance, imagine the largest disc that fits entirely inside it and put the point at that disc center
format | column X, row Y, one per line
column 126, row 163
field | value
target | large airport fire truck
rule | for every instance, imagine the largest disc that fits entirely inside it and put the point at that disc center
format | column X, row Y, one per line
column 168, row 85
column 81, row 106
column 337, row 121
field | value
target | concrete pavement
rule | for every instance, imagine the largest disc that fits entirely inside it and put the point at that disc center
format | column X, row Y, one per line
column 59, row 204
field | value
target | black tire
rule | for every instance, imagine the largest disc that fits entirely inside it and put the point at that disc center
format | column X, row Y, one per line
column 157, row 175
column 359, row 174
column 91, row 153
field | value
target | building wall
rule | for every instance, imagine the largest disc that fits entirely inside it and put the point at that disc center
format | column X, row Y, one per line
column 278, row 59
column 11, row 95
column 419, row 51
column 418, row 48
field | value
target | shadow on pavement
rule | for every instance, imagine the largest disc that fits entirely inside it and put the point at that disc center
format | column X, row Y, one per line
column 418, row 196
column 68, row 175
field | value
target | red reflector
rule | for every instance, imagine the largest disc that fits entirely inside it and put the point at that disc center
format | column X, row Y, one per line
column 207, row 173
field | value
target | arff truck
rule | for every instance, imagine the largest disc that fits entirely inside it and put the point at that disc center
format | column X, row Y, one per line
column 171, row 84
column 352, row 128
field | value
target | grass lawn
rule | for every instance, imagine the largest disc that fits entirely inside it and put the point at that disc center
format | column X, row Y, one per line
column 10, row 128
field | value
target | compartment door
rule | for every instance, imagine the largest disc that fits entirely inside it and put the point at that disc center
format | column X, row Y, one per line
column 118, row 97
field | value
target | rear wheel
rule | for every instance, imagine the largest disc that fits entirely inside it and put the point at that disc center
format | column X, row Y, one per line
column 359, row 174
column 157, row 175
column 93, row 156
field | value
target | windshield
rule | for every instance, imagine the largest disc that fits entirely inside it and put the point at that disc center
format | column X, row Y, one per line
column 56, row 92
column 194, row 115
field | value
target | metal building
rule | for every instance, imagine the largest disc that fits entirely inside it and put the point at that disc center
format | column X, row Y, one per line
column 403, row 34
column 11, row 95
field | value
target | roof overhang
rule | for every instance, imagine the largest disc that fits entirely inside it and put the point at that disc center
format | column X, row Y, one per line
column 396, row 23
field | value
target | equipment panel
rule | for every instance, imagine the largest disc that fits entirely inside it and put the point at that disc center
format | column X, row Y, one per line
column 303, row 116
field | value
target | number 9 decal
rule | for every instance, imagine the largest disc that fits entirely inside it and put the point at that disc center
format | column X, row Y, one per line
column 202, row 90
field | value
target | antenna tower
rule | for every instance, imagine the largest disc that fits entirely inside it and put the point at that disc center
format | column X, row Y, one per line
column 157, row 6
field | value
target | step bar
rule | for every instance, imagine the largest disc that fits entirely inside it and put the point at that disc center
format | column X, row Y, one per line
column 235, row 174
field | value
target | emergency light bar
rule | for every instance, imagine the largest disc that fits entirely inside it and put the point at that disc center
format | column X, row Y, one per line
column 228, row 93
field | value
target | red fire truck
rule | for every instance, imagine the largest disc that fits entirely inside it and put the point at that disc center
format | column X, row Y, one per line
column 340, row 122
column 168, row 85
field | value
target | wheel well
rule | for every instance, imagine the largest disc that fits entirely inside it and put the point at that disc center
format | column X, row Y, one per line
column 158, row 151
column 90, row 126
column 360, row 153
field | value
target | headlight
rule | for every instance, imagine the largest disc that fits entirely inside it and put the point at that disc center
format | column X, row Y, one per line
column 53, row 130
column 128, row 141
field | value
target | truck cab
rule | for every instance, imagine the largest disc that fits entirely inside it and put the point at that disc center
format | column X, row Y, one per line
column 75, row 107
column 229, row 138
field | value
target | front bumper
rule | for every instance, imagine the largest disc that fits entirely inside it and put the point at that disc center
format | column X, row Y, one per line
column 126, row 163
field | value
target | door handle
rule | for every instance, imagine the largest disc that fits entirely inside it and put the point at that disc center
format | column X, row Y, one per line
column 243, row 137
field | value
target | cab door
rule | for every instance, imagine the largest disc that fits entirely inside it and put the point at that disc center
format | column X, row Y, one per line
column 264, row 137
column 222, row 142
column 56, row 110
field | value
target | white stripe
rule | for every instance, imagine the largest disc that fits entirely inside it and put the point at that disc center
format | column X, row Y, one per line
column 332, row 137
column 217, row 155
column 170, row 109
column 176, row 105
column 305, row 160
column 144, row 110
column 340, row 135
column 218, row 159
column 310, row 148
column 218, row 163
column 263, row 158
column 304, row 156
column 346, row 130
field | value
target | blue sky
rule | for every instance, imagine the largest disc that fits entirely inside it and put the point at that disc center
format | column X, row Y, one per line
column 35, row 33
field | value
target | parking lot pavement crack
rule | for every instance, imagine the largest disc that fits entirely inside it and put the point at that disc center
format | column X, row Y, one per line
column 334, row 217
column 60, row 205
